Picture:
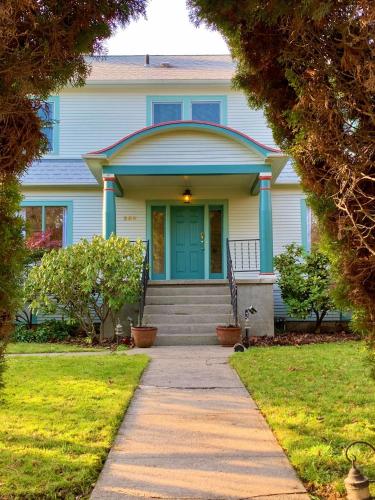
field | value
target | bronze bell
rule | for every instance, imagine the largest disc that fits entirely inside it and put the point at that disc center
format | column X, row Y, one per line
column 357, row 485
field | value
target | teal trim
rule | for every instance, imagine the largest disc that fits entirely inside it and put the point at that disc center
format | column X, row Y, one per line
column 204, row 203
column 117, row 187
column 68, row 204
column 265, row 227
column 304, row 225
column 185, row 169
column 186, row 125
column 109, row 208
column 186, row 101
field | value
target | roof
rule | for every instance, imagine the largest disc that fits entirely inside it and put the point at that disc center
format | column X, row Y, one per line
column 161, row 67
column 58, row 173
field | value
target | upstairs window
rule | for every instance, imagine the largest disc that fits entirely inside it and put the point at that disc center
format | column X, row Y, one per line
column 49, row 113
column 206, row 111
column 167, row 112
column 162, row 109
column 46, row 114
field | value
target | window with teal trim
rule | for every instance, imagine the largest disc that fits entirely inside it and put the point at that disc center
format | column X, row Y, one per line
column 49, row 114
column 47, row 226
column 206, row 108
column 205, row 111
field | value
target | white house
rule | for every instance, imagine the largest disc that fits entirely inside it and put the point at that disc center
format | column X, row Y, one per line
column 163, row 149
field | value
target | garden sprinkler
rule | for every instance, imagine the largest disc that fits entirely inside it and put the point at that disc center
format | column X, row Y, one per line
column 246, row 339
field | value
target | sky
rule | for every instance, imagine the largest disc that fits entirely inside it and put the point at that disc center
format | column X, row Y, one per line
column 167, row 30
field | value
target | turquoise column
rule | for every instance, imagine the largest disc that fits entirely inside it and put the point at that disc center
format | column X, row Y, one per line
column 109, row 206
column 265, row 224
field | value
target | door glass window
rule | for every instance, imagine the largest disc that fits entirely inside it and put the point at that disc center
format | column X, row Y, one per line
column 158, row 240
column 216, row 241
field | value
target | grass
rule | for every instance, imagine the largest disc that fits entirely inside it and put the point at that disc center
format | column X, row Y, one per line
column 58, row 419
column 317, row 399
column 34, row 347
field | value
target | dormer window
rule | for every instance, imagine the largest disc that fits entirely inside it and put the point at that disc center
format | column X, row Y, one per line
column 162, row 109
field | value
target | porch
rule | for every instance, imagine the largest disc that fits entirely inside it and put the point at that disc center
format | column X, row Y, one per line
column 200, row 195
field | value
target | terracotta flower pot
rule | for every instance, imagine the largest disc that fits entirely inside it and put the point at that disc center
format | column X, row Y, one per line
column 228, row 335
column 144, row 336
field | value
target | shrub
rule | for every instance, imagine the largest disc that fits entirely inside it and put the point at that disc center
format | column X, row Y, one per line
column 49, row 331
column 87, row 281
column 305, row 281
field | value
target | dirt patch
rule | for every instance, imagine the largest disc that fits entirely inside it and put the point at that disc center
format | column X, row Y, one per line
column 303, row 339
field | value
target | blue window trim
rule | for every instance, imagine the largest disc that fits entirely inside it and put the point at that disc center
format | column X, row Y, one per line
column 55, row 100
column 68, row 204
column 186, row 101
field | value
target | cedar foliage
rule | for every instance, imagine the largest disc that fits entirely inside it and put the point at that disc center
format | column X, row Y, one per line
column 310, row 64
column 42, row 48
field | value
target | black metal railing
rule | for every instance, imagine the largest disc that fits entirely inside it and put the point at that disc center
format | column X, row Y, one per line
column 145, row 276
column 232, row 284
column 245, row 255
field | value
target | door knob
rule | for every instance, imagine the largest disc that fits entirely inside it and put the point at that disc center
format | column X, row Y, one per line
column 202, row 237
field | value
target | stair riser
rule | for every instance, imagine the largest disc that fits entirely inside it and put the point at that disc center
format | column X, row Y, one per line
column 188, row 309
column 179, row 329
column 187, row 290
column 202, row 340
column 187, row 299
column 175, row 319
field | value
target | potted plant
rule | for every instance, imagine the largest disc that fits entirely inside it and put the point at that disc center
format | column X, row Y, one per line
column 229, row 334
column 143, row 335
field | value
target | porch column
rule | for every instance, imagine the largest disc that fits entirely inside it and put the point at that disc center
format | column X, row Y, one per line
column 265, row 224
column 109, row 206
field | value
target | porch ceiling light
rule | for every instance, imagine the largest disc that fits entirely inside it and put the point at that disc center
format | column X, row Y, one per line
column 187, row 196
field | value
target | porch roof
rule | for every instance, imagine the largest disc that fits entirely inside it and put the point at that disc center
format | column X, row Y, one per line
column 252, row 157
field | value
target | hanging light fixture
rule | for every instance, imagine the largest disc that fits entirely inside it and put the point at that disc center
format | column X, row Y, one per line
column 187, row 196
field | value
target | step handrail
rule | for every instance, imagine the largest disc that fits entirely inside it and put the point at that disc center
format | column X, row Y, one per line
column 232, row 285
column 145, row 278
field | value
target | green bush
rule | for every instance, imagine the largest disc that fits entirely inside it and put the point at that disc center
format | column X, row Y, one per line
column 49, row 331
column 88, row 281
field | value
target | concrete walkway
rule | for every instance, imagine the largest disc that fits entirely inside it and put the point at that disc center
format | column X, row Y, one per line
column 192, row 431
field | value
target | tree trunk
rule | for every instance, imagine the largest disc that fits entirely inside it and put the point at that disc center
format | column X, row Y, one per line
column 319, row 320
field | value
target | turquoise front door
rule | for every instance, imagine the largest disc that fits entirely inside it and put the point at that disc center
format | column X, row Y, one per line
column 187, row 242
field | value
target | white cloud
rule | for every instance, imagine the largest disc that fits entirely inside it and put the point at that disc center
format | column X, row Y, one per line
column 167, row 30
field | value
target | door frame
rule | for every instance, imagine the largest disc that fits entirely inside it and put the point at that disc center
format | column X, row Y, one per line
column 201, row 202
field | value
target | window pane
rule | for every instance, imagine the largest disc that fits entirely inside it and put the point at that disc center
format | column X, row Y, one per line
column 216, row 241
column 206, row 111
column 46, row 113
column 33, row 216
column 167, row 112
column 158, row 240
column 55, row 217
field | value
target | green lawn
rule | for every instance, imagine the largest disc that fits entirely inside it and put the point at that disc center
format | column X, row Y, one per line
column 317, row 399
column 58, row 419
column 34, row 347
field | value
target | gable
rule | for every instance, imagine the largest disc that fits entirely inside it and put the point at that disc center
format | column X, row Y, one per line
column 186, row 147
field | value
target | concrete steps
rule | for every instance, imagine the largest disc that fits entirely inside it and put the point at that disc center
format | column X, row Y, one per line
column 187, row 314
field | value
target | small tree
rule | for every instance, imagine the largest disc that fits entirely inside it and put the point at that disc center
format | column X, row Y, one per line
column 87, row 281
column 304, row 280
